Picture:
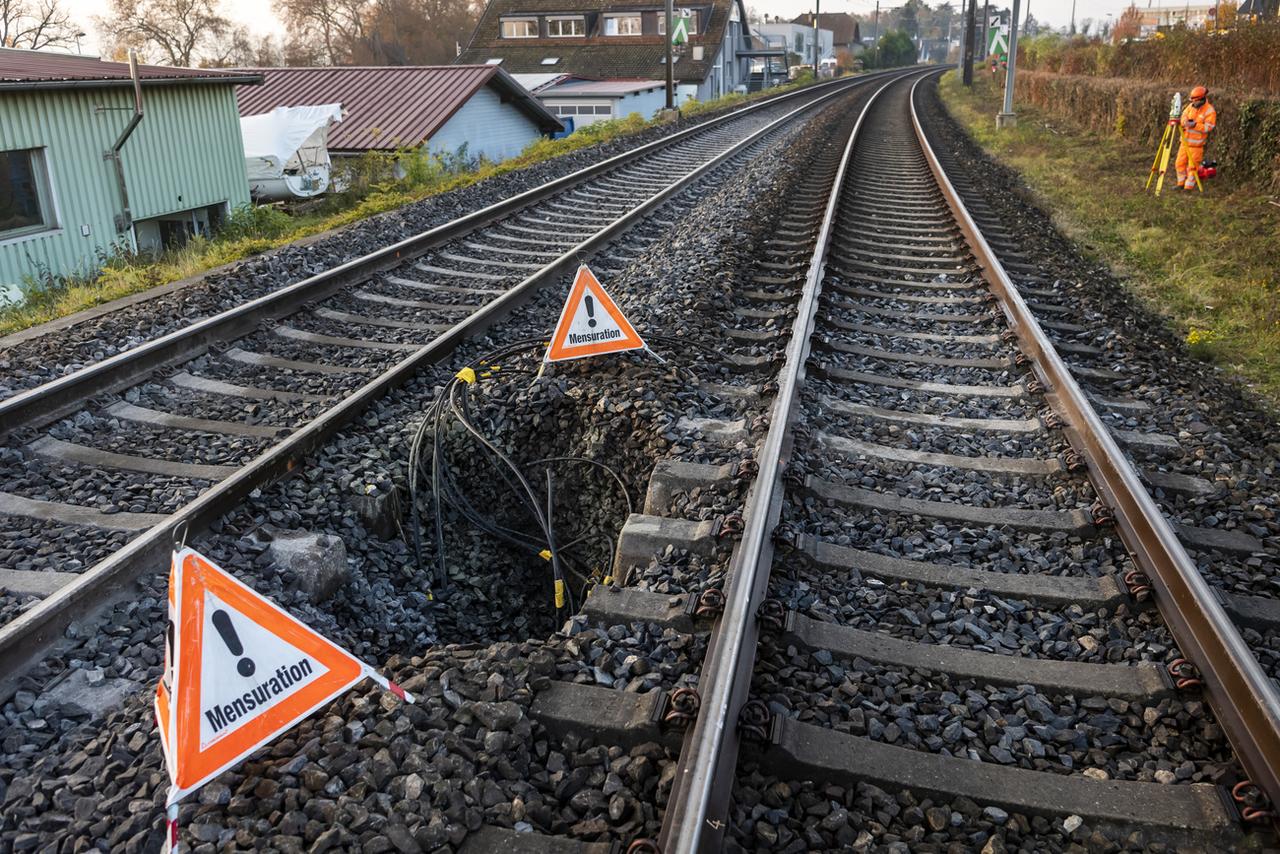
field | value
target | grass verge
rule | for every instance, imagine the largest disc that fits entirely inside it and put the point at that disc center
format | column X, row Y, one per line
column 257, row 230
column 1210, row 263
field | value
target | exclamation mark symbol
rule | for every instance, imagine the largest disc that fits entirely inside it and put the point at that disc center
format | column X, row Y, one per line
column 591, row 310
column 222, row 622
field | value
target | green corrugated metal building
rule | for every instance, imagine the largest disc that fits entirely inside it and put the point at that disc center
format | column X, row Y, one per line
column 62, row 206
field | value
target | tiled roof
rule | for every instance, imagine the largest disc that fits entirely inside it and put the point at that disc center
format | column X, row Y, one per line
column 386, row 107
column 597, row 56
column 32, row 69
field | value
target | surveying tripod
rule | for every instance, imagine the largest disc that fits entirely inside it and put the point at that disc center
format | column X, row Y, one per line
column 1164, row 151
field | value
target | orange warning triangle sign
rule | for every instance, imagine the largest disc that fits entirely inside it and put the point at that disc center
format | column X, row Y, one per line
column 591, row 323
column 239, row 671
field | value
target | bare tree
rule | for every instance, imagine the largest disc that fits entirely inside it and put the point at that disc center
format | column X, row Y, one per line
column 35, row 25
column 332, row 28
column 173, row 32
column 238, row 48
column 377, row 32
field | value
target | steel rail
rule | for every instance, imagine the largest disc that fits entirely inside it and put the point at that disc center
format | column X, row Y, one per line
column 39, row 630
column 1244, row 699
column 694, row 818
column 50, row 400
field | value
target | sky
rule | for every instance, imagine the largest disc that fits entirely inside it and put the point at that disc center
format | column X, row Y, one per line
column 256, row 14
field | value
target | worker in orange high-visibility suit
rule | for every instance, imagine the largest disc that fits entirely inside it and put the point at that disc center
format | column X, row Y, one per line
column 1198, row 120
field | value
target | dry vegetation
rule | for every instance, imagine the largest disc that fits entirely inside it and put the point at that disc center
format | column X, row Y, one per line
column 1244, row 59
column 1209, row 263
column 1246, row 144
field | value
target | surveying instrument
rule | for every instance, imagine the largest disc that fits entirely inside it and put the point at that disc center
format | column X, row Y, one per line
column 1160, row 166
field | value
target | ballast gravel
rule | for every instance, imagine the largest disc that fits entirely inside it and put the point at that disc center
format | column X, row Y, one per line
column 1105, row 738
column 974, row 619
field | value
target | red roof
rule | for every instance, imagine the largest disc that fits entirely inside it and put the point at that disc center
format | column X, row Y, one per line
column 27, row 69
column 386, row 107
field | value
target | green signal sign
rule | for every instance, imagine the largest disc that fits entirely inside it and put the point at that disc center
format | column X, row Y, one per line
column 680, row 31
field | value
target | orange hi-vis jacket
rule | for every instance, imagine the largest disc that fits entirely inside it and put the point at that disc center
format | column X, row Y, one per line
column 1196, row 124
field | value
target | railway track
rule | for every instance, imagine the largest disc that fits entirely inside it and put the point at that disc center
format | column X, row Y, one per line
column 173, row 433
column 936, row 622
column 893, row 585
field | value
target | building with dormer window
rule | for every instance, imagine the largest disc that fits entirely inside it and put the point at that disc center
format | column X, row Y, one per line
column 616, row 40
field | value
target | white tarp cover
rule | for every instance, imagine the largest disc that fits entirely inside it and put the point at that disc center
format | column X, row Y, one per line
column 279, row 134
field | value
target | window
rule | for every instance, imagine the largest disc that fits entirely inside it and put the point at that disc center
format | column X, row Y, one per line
column 26, row 203
column 551, row 60
column 622, row 25
column 581, row 109
column 566, row 27
column 519, row 28
column 497, row 60
column 692, row 22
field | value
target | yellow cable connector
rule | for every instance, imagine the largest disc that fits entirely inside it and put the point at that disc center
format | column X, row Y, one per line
column 559, row 593
column 545, row 554
column 467, row 375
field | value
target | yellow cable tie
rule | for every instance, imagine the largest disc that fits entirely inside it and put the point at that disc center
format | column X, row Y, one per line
column 545, row 554
column 559, row 592
column 431, row 597
column 486, row 375
column 467, row 375
column 608, row 579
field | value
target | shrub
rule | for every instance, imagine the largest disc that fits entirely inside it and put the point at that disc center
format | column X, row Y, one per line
column 254, row 221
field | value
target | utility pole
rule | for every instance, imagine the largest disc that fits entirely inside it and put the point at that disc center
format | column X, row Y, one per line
column 875, row 39
column 817, row 42
column 1007, row 118
column 970, row 21
column 671, row 71
column 1073, row 17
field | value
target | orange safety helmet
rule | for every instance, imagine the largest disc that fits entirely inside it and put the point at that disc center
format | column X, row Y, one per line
column 1199, row 92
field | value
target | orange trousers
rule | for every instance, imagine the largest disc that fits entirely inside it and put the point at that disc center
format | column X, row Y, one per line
column 1189, row 159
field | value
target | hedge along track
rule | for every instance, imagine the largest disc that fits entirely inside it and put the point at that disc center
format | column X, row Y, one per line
column 550, row 248
column 895, row 333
